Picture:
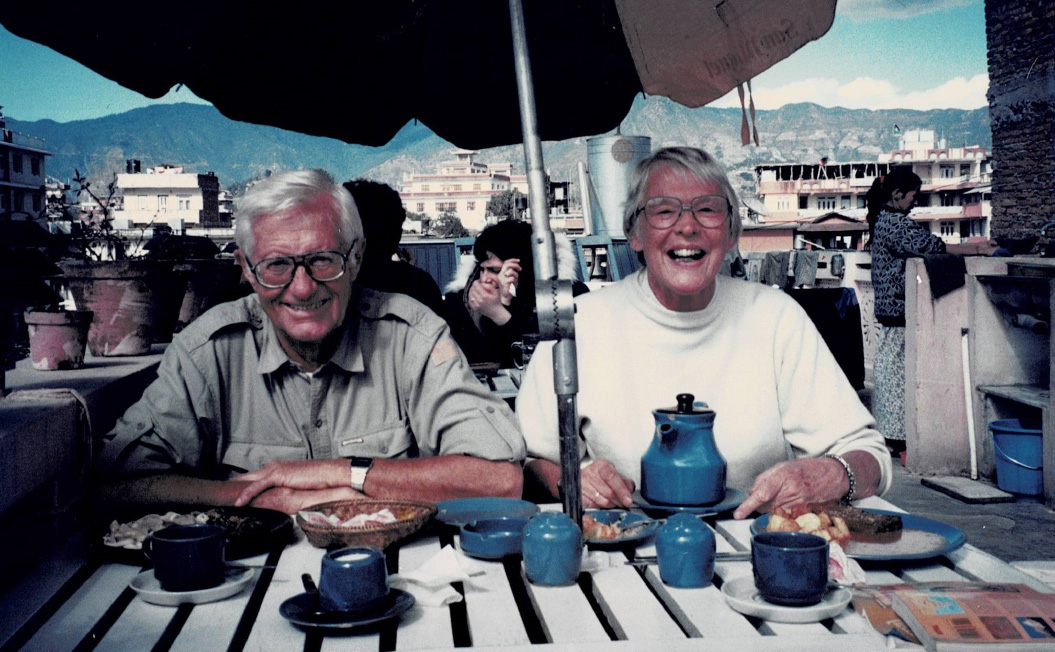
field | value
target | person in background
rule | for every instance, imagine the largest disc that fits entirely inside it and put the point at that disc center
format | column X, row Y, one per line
column 311, row 389
column 790, row 426
column 894, row 238
column 491, row 304
column 383, row 214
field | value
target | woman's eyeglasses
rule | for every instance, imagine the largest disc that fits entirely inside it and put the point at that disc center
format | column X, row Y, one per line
column 707, row 210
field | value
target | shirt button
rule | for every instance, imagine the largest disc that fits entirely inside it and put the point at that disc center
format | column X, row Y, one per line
column 141, row 425
column 318, row 423
column 384, row 448
column 490, row 409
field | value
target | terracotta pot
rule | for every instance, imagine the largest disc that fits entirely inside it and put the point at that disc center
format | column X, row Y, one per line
column 57, row 338
column 127, row 298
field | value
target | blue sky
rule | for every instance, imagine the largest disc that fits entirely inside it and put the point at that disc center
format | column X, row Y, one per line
column 879, row 54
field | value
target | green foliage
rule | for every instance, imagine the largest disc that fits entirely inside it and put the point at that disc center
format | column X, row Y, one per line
column 504, row 205
column 447, row 225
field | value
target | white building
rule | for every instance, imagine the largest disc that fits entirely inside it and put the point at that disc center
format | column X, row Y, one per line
column 954, row 201
column 21, row 174
column 168, row 195
column 460, row 186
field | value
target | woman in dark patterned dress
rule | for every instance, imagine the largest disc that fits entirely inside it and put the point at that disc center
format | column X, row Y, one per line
column 894, row 238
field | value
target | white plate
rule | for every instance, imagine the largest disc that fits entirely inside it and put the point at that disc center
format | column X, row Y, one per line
column 741, row 595
column 148, row 588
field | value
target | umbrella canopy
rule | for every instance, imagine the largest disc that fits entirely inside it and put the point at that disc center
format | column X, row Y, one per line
column 359, row 71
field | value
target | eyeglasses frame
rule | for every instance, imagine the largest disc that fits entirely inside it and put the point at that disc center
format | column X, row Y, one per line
column 300, row 260
column 686, row 207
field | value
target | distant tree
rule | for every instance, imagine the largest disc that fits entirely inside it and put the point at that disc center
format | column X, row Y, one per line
column 448, row 225
column 503, row 206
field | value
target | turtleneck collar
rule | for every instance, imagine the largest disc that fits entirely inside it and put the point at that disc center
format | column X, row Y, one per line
column 641, row 295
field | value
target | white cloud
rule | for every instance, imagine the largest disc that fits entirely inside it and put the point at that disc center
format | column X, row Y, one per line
column 868, row 93
column 868, row 10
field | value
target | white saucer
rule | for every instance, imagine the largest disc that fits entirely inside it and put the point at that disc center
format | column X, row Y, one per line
column 148, row 588
column 741, row 595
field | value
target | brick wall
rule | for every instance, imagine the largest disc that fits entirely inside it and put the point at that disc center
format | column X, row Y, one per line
column 1021, row 46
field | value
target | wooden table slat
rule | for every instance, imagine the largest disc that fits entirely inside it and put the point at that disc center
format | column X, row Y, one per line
column 79, row 614
column 423, row 627
column 631, row 606
column 562, row 609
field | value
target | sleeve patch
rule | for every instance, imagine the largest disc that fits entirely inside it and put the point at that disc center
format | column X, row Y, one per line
column 444, row 350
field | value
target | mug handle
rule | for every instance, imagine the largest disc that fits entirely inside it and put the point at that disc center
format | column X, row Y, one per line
column 518, row 349
column 146, row 548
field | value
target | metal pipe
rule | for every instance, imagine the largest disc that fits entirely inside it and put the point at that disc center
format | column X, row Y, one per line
column 968, row 397
column 545, row 249
column 549, row 292
column 585, row 198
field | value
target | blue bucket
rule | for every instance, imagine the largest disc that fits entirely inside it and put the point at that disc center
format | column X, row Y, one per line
column 1019, row 457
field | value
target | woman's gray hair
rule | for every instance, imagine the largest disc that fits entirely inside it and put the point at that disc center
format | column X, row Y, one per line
column 688, row 161
column 283, row 191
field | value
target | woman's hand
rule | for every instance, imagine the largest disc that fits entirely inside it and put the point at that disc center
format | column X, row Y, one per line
column 508, row 279
column 798, row 482
column 603, row 487
column 485, row 298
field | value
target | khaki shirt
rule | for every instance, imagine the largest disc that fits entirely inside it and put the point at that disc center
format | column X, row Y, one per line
column 228, row 399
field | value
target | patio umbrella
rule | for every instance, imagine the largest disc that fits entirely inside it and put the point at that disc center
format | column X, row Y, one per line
column 359, row 71
column 362, row 71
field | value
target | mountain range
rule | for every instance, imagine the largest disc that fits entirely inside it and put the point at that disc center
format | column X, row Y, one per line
column 200, row 138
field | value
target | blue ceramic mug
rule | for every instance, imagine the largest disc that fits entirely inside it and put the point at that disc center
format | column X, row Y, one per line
column 685, row 548
column 353, row 579
column 552, row 549
column 187, row 557
column 790, row 568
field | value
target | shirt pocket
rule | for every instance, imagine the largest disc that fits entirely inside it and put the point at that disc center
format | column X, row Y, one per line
column 393, row 439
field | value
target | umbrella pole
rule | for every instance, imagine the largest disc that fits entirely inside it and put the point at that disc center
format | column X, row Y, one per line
column 553, row 297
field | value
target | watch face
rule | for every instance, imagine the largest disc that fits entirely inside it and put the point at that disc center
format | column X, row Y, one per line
column 363, row 462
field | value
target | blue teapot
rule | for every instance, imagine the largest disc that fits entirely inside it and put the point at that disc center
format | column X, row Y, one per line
column 682, row 466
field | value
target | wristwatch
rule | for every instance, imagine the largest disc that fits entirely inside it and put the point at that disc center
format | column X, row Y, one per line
column 359, row 467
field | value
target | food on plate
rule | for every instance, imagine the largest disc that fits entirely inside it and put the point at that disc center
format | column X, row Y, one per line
column 132, row 534
column 594, row 529
column 804, row 519
column 836, row 522
column 381, row 517
column 866, row 523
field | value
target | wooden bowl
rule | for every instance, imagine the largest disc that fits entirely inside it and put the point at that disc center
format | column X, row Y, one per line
column 411, row 515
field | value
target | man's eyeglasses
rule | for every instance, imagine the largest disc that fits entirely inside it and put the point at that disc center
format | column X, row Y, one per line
column 663, row 212
column 322, row 266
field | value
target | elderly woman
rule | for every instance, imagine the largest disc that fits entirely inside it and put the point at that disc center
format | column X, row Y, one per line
column 789, row 425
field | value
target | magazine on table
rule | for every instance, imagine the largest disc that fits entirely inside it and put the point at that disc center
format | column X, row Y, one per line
column 959, row 618
column 875, row 602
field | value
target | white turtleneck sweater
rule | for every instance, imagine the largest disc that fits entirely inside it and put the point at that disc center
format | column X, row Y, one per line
column 753, row 355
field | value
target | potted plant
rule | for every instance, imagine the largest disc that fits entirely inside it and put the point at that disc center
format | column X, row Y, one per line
column 57, row 337
column 33, row 318
column 208, row 277
column 126, row 293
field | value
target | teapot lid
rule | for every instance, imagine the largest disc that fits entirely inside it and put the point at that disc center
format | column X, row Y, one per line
column 687, row 405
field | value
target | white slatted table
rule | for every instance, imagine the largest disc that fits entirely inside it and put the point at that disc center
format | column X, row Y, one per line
column 73, row 604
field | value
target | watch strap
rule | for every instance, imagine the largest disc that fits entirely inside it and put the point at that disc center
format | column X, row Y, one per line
column 358, row 468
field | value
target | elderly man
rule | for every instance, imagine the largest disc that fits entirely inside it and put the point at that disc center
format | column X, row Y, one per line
column 311, row 389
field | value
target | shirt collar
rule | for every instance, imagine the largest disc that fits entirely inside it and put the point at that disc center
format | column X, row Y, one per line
column 348, row 356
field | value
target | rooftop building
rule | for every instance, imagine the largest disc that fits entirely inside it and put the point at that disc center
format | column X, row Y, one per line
column 170, row 195
column 21, row 175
